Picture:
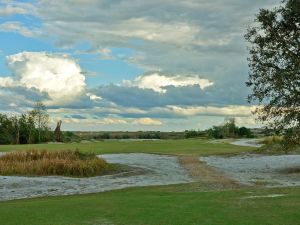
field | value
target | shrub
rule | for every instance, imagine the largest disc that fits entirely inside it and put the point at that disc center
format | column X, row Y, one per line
column 272, row 140
column 193, row 134
column 45, row 163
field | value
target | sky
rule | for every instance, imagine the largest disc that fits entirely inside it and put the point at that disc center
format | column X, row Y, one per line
column 167, row 65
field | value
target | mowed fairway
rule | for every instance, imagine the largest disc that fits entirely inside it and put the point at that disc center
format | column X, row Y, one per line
column 158, row 206
column 191, row 146
column 162, row 205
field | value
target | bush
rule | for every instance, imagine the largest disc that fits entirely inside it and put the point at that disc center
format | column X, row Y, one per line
column 245, row 132
column 229, row 130
column 216, row 132
column 69, row 136
column 149, row 135
column 45, row 163
column 193, row 134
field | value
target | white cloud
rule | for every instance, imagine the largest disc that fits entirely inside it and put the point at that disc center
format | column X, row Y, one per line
column 147, row 121
column 247, row 121
column 113, row 121
column 6, row 82
column 172, row 32
column 94, row 97
column 159, row 82
column 11, row 10
column 58, row 75
column 105, row 53
column 19, row 28
column 90, row 121
column 236, row 110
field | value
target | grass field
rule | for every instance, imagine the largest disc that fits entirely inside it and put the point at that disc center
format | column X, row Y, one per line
column 172, row 147
column 158, row 206
column 175, row 204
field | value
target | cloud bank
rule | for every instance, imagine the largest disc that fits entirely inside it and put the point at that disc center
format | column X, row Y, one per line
column 192, row 53
column 57, row 75
column 158, row 82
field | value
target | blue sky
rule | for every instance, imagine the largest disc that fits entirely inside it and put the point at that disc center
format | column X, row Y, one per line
column 128, row 65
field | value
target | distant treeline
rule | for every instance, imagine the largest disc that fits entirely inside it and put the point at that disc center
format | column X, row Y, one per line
column 27, row 128
column 128, row 135
column 227, row 130
column 33, row 127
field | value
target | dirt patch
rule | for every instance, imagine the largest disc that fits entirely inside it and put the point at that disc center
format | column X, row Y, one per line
column 206, row 176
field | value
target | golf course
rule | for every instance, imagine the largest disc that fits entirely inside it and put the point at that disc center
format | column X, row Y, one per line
column 161, row 112
column 209, row 197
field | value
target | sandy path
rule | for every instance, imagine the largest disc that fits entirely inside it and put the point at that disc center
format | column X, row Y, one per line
column 206, row 175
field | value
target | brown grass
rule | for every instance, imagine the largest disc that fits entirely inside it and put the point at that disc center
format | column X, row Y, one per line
column 272, row 140
column 45, row 163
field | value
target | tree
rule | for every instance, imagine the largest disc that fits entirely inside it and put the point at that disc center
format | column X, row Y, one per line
column 28, row 132
column 41, row 119
column 275, row 68
column 245, row 132
column 230, row 129
column 6, row 128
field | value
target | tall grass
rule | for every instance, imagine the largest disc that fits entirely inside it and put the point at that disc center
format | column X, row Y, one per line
column 272, row 140
column 45, row 163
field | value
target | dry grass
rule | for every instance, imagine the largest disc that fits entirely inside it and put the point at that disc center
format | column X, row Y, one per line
column 272, row 140
column 45, row 163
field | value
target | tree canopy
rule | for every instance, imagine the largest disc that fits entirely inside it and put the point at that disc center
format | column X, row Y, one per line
column 275, row 68
column 27, row 128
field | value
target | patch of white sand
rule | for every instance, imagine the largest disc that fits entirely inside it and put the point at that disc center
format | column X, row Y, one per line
column 247, row 142
column 251, row 169
column 264, row 196
column 161, row 170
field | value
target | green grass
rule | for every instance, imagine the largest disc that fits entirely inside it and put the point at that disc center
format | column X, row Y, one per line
column 176, row 204
column 190, row 146
column 157, row 205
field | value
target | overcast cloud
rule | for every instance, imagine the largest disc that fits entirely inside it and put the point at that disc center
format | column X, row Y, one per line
column 192, row 53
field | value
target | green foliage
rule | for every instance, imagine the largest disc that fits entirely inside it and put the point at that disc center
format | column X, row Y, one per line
column 216, row 132
column 41, row 119
column 229, row 130
column 6, row 130
column 69, row 136
column 275, row 69
column 28, row 128
column 194, row 134
column 125, row 136
column 245, row 132
column 149, row 135
column 105, row 136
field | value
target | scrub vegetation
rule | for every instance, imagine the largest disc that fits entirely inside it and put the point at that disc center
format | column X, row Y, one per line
column 45, row 163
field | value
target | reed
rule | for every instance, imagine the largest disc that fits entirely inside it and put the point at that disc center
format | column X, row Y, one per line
column 46, row 163
column 272, row 140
